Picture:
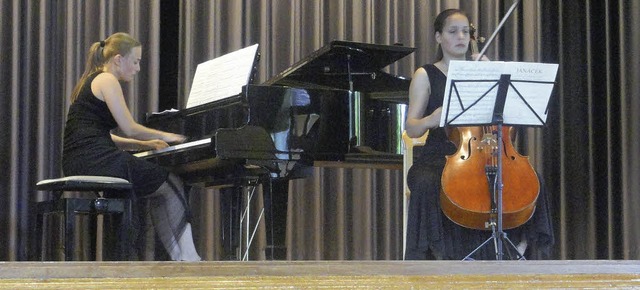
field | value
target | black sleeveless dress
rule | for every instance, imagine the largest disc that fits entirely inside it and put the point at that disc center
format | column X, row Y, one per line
column 89, row 150
column 430, row 234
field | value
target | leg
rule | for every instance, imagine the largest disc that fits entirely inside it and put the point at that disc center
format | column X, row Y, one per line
column 424, row 227
column 168, row 208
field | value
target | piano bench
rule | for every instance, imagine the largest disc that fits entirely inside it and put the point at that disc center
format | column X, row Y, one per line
column 110, row 200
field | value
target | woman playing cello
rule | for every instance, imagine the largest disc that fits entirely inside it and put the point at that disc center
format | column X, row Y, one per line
column 430, row 234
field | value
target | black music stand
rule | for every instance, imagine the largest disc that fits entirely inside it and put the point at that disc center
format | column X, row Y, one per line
column 503, row 84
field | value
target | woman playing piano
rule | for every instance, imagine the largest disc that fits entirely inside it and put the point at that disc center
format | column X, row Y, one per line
column 90, row 148
column 430, row 234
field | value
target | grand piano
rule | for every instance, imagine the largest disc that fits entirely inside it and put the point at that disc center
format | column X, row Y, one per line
column 325, row 107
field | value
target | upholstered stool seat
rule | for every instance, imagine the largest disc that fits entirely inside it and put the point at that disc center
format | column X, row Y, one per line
column 111, row 197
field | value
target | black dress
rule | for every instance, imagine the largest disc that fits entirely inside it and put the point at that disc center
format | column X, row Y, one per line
column 89, row 150
column 430, row 234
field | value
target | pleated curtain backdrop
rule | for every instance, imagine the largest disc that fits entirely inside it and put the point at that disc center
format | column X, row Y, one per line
column 588, row 152
column 591, row 144
column 622, row 220
column 43, row 47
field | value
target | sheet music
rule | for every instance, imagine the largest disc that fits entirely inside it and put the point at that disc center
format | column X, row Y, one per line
column 469, row 92
column 482, row 78
column 222, row 77
column 536, row 94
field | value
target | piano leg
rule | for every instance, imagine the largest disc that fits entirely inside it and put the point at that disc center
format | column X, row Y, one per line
column 248, row 224
column 275, row 203
column 242, row 212
column 268, row 208
column 230, row 203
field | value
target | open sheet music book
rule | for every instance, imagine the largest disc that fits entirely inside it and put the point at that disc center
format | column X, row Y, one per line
column 222, row 77
column 471, row 91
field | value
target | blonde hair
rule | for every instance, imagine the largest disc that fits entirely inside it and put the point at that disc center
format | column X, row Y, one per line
column 101, row 52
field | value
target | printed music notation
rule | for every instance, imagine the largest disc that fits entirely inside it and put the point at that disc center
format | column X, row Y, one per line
column 472, row 88
column 222, row 77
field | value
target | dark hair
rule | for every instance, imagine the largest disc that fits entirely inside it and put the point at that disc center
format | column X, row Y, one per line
column 101, row 52
column 438, row 25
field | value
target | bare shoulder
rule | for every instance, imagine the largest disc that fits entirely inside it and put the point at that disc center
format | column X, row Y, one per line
column 105, row 78
column 420, row 72
column 105, row 84
column 420, row 79
column 421, row 76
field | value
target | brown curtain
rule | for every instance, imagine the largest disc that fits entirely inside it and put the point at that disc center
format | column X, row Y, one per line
column 591, row 144
column 587, row 154
column 623, row 200
column 346, row 212
column 43, row 48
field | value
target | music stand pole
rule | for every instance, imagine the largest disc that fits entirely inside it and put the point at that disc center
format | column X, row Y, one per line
column 498, row 119
column 497, row 233
column 498, row 112
column 498, row 189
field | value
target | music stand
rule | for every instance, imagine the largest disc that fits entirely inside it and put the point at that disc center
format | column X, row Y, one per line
column 535, row 79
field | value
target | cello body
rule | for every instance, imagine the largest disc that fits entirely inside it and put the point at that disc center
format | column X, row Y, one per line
column 467, row 194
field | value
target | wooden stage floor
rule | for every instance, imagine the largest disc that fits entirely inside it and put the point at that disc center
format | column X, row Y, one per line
column 320, row 274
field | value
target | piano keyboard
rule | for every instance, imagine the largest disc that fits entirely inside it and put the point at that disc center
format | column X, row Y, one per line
column 175, row 148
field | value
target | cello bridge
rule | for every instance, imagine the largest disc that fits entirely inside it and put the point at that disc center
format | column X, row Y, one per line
column 488, row 142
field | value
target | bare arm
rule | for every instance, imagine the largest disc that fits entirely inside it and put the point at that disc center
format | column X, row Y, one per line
column 107, row 88
column 135, row 144
column 419, row 92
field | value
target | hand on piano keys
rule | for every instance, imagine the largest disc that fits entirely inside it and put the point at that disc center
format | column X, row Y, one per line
column 175, row 148
column 173, row 138
column 155, row 144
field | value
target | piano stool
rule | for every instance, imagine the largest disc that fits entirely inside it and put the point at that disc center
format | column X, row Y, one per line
column 110, row 200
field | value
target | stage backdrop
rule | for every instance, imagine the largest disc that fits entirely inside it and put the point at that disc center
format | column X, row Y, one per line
column 588, row 152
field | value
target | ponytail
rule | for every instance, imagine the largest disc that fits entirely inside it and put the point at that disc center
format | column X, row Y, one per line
column 94, row 62
column 100, row 53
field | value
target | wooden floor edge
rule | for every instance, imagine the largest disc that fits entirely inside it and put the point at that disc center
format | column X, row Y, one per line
column 320, row 274
column 609, row 281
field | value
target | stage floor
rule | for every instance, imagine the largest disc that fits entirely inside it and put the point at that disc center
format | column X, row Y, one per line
column 321, row 274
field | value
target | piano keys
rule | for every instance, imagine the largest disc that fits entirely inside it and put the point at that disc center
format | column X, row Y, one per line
column 175, row 149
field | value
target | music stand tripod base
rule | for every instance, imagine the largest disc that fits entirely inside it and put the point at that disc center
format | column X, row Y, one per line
column 498, row 238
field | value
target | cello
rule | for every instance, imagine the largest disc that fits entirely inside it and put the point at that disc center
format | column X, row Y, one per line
column 469, row 184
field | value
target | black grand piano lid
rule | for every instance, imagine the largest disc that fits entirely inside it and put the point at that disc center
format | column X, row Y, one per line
column 328, row 67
